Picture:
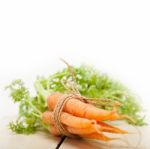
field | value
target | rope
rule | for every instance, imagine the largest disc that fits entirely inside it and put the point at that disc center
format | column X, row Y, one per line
column 57, row 113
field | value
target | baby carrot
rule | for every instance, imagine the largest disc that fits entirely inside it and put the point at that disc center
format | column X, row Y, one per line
column 76, row 131
column 68, row 119
column 109, row 128
column 97, row 136
column 74, row 127
column 81, row 109
column 54, row 131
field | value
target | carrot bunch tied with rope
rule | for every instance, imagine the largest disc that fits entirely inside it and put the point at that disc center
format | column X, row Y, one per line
column 79, row 118
column 74, row 115
column 66, row 113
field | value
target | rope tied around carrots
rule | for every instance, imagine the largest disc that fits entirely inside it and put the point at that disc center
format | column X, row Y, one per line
column 58, row 109
column 57, row 112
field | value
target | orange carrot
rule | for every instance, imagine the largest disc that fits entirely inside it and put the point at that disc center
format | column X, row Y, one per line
column 81, row 109
column 47, row 118
column 109, row 128
column 99, row 129
column 54, row 131
column 97, row 136
column 68, row 119
column 75, row 129
column 80, row 131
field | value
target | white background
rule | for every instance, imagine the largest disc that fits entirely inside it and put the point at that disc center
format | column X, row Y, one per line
column 114, row 36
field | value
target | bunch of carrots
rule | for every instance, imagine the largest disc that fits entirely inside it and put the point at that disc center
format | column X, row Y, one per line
column 81, row 119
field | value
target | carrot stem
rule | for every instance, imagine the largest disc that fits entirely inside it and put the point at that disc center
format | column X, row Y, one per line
column 40, row 89
column 34, row 107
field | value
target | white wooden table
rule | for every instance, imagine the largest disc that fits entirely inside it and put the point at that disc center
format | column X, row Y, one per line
column 41, row 140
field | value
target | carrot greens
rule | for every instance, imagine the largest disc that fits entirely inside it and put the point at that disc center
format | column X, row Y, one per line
column 30, row 109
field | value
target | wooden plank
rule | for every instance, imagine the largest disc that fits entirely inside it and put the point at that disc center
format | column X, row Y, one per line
column 9, row 140
column 137, row 138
